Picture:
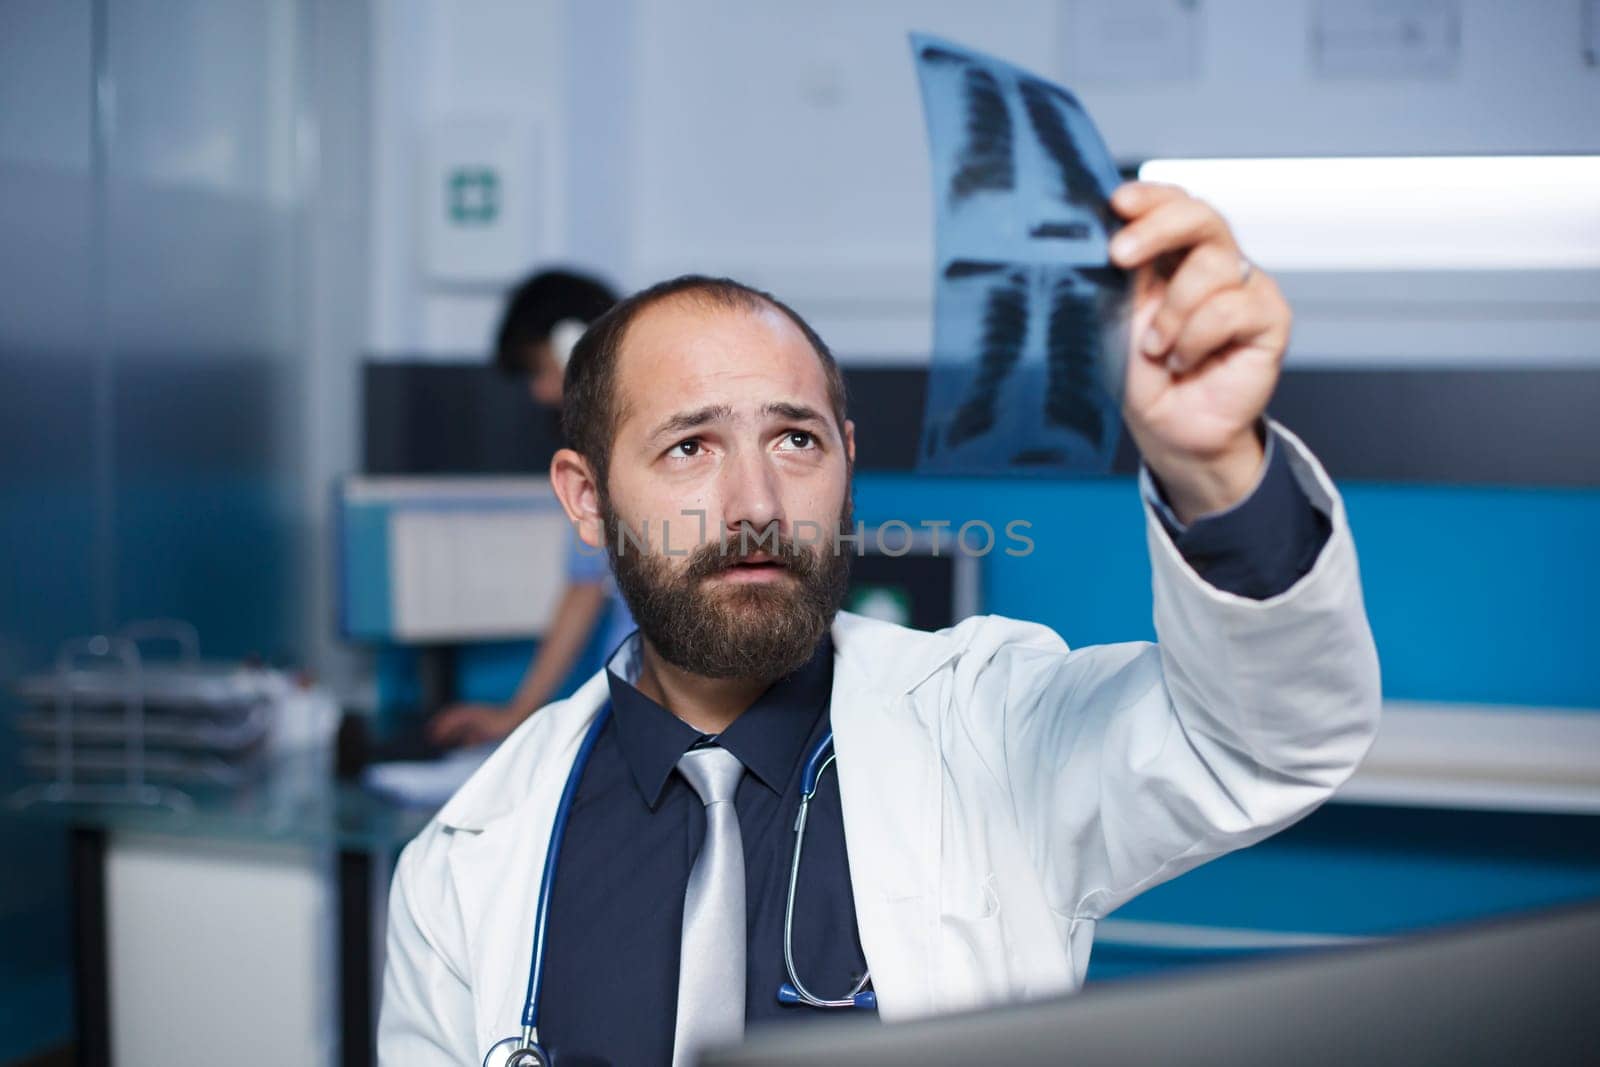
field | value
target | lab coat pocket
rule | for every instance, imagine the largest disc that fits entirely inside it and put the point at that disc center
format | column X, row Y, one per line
column 970, row 896
column 973, row 950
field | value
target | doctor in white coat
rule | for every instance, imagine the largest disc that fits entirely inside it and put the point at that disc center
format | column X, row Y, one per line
column 1000, row 792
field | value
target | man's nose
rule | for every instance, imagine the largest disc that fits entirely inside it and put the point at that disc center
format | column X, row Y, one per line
column 750, row 492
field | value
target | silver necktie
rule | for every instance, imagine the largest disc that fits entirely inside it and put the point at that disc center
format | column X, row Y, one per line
column 711, row 968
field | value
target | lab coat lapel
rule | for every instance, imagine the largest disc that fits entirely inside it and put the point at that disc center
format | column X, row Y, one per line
column 498, row 865
column 889, row 775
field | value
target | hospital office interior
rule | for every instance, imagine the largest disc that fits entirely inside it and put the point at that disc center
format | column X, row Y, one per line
column 252, row 257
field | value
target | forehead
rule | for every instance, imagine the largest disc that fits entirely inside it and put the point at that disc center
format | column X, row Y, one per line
column 684, row 354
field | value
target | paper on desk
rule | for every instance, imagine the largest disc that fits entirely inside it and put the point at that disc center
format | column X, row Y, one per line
column 425, row 783
column 1030, row 321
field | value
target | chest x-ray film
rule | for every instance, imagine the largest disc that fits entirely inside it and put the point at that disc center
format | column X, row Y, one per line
column 1030, row 320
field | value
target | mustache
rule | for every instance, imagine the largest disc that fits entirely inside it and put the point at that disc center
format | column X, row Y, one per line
column 751, row 545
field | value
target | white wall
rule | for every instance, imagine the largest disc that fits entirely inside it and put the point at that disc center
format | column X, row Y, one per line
column 433, row 61
column 783, row 144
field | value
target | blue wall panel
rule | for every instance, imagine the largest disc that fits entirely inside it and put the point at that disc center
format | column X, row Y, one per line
column 1480, row 594
column 1475, row 594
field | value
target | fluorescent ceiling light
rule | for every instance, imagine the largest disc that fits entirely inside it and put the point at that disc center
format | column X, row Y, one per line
column 1403, row 213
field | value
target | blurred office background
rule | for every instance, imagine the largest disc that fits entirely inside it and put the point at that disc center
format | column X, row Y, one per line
column 252, row 253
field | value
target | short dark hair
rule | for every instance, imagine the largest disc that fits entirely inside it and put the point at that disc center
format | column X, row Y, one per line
column 589, row 405
column 537, row 304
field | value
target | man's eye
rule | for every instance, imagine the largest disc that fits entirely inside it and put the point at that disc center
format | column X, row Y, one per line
column 685, row 449
column 799, row 439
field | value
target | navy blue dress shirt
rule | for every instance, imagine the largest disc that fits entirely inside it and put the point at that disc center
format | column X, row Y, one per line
column 616, row 908
column 1262, row 545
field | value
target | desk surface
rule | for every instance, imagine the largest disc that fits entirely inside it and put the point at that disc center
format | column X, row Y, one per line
column 295, row 800
column 1481, row 758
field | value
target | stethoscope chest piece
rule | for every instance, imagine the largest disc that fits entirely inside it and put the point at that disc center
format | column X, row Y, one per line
column 517, row 1054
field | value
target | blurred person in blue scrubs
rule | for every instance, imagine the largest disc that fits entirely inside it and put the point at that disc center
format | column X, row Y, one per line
column 544, row 318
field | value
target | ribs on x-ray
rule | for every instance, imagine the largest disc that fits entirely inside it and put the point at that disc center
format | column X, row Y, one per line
column 1030, row 317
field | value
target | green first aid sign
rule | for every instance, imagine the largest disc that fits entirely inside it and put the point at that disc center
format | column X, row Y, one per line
column 892, row 603
column 473, row 196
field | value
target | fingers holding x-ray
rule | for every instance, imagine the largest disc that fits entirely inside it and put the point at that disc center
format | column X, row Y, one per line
column 1198, row 294
column 1226, row 319
column 1165, row 222
column 1205, row 272
column 1043, row 252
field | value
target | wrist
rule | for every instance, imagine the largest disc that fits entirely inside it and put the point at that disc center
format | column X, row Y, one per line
column 1200, row 485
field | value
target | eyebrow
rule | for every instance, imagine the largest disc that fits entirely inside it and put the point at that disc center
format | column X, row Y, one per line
column 689, row 420
column 794, row 412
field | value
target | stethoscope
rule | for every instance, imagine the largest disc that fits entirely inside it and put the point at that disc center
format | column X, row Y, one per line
column 524, row 1049
column 794, row 991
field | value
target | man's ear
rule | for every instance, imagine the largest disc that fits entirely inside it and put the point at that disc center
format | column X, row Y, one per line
column 850, row 441
column 579, row 492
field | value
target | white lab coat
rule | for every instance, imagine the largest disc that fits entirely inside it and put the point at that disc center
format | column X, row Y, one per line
column 1001, row 793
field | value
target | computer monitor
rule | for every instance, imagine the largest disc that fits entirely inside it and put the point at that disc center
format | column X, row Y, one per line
column 912, row 577
column 437, row 560
column 1513, row 991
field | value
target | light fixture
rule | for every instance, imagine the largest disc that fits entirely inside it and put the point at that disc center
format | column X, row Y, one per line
column 1403, row 213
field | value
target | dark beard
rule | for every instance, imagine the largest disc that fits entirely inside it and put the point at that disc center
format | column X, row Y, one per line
column 757, row 631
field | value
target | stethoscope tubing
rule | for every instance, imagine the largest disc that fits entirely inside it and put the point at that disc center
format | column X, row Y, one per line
column 541, row 915
column 796, row 991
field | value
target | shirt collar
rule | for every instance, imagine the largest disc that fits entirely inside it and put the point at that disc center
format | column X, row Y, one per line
column 768, row 738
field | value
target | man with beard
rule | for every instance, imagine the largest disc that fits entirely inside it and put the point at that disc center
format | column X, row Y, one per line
column 994, row 794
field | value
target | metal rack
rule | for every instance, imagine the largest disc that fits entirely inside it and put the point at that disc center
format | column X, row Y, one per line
column 112, row 725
